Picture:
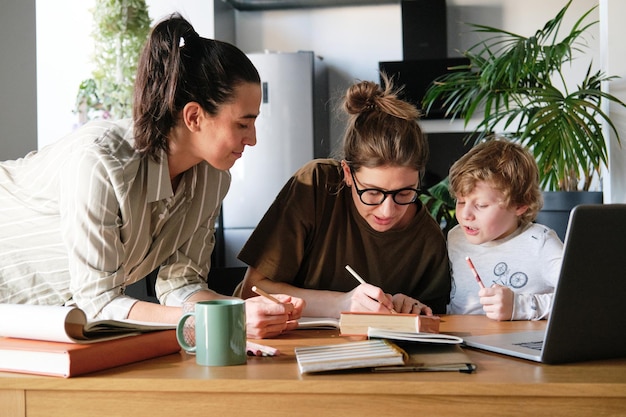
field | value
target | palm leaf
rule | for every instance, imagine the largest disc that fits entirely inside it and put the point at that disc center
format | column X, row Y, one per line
column 518, row 85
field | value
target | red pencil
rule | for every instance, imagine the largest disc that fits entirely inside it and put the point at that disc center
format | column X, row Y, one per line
column 475, row 272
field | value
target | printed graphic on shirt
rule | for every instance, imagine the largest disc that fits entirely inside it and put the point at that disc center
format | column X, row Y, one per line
column 503, row 276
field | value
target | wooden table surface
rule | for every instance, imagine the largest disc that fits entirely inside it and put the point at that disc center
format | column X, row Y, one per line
column 176, row 386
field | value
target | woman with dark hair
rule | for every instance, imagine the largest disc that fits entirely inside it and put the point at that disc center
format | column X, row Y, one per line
column 362, row 210
column 103, row 207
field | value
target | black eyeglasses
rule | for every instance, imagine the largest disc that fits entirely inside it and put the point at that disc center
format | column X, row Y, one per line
column 376, row 196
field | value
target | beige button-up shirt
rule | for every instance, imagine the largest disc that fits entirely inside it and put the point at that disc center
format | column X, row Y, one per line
column 86, row 216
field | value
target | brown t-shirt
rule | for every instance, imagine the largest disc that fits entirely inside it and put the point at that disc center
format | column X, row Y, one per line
column 313, row 230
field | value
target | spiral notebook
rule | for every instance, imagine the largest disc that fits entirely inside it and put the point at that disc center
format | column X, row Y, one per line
column 349, row 355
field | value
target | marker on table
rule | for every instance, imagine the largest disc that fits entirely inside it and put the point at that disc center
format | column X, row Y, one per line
column 475, row 272
column 362, row 281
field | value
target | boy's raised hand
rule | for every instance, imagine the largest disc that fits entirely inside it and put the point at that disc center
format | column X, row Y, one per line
column 497, row 301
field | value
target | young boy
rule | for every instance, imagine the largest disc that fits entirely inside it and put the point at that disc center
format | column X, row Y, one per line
column 496, row 186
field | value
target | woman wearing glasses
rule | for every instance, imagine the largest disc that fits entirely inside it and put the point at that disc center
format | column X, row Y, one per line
column 362, row 210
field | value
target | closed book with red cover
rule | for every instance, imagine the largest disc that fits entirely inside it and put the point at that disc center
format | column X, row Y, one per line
column 72, row 359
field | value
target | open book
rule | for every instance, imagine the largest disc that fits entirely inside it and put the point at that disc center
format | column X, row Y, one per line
column 426, row 351
column 415, row 337
column 318, row 323
column 431, row 358
column 381, row 355
column 66, row 324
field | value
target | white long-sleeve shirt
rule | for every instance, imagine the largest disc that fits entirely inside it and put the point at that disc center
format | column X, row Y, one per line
column 528, row 262
column 88, row 215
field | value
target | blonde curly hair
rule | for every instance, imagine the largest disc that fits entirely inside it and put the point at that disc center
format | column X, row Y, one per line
column 507, row 167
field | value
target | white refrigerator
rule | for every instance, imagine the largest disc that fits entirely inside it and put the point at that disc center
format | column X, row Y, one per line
column 292, row 129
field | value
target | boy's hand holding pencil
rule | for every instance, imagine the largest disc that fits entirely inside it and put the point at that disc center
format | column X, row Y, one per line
column 497, row 301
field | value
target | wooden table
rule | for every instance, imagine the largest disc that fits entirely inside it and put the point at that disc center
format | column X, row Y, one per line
column 174, row 386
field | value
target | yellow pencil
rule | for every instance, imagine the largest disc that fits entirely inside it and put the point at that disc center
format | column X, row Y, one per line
column 362, row 281
column 266, row 295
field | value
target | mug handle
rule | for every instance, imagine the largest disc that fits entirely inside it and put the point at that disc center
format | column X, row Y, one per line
column 180, row 335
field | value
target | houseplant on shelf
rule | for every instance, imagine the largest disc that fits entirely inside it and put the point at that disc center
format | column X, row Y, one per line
column 519, row 84
column 121, row 28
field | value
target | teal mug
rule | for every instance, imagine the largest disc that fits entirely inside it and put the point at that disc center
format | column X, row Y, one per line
column 220, row 327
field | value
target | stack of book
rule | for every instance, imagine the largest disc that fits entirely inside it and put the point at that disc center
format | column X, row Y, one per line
column 59, row 341
column 395, row 343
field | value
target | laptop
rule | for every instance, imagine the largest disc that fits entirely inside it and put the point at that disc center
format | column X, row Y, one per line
column 588, row 317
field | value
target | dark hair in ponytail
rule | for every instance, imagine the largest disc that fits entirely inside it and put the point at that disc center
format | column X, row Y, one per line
column 176, row 67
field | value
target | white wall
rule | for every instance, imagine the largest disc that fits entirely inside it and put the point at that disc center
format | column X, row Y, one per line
column 199, row 13
column 18, row 79
column 65, row 49
column 614, row 62
column 351, row 39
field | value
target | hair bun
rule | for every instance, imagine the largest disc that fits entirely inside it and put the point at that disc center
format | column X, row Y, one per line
column 362, row 97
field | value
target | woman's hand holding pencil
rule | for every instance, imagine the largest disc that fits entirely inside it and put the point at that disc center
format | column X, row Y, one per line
column 270, row 315
column 388, row 304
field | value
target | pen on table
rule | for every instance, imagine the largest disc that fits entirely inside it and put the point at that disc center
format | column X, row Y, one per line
column 266, row 295
column 362, row 281
column 475, row 272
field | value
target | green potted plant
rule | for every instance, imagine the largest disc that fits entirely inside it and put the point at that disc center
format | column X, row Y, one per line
column 440, row 205
column 519, row 84
column 121, row 28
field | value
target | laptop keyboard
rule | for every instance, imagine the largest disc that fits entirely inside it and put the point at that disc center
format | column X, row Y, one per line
column 531, row 345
